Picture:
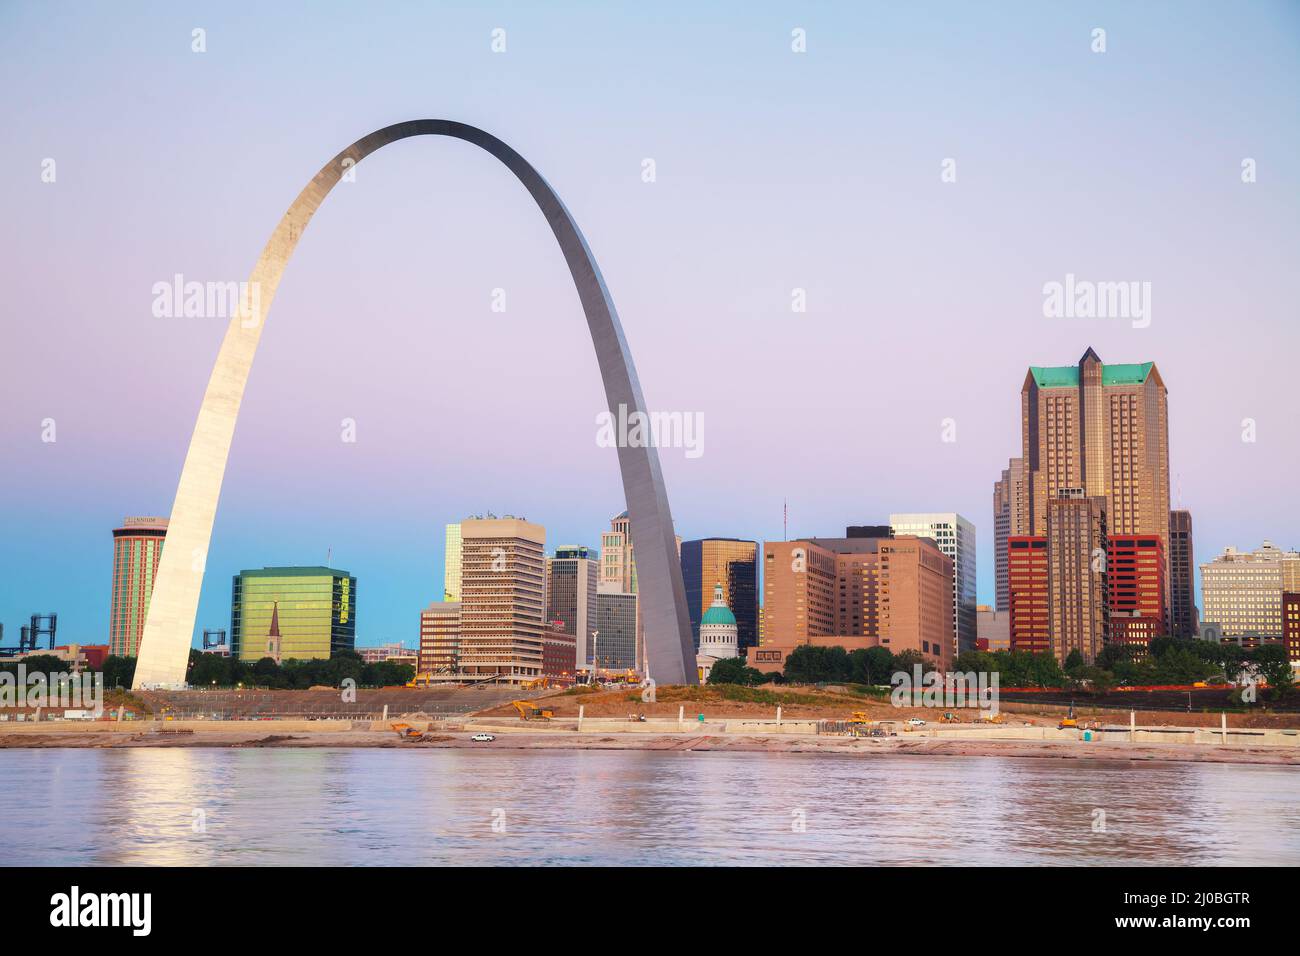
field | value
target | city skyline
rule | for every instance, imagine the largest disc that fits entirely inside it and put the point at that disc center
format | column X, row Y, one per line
column 719, row 436
column 381, row 636
column 296, row 493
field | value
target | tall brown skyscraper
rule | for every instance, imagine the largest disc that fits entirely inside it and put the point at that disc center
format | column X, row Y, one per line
column 1078, row 601
column 1182, row 568
column 1010, row 519
column 1103, row 429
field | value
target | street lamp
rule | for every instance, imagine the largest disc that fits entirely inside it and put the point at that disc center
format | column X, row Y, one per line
column 595, row 659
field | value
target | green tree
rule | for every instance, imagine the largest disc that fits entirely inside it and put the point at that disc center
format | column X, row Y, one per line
column 1274, row 666
column 266, row 672
column 1073, row 661
column 808, row 664
column 1160, row 646
column 908, row 659
column 1233, row 659
column 1113, row 654
column 979, row 662
column 38, row 664
column 343, row 666
column 387, row 674
column 1094, row 679
column 871, row 665
column 210, row 669
column 118, row 671
column 1180, row 665
column 734, row 670
column 1045, row 671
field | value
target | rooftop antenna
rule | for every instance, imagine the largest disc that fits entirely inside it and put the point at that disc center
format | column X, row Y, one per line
column 785, row 520
column 329, row 553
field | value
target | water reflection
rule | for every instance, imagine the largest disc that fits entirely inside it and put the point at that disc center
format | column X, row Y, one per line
column 356, row 807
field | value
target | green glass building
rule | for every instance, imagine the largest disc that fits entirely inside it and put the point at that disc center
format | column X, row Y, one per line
column 314, row 610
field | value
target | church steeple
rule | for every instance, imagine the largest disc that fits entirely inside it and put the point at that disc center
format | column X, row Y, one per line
column 273, row 635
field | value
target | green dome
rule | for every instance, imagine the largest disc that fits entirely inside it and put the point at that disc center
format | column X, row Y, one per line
column 718, row 615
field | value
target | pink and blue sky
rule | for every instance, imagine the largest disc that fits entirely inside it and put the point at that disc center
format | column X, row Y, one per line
column 775, row 170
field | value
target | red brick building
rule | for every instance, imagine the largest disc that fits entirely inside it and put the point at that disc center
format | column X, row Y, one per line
column 559, row 655
column 1135, row 568
column 1027, row 593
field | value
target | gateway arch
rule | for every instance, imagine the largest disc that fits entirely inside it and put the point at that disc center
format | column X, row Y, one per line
column 169, row 627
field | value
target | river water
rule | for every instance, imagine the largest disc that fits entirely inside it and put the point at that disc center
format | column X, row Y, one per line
column 332, row 807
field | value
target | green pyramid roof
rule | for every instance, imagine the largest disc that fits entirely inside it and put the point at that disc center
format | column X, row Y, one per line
column 1067, row 376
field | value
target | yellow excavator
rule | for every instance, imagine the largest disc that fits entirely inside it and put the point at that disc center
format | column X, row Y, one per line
column 407, row 732
column 535, row 683
column 530, row 711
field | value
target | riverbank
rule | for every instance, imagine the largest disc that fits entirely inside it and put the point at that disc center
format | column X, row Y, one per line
column 953, row 746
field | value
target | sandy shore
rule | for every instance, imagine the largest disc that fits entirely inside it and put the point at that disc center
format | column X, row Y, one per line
column 734, row 743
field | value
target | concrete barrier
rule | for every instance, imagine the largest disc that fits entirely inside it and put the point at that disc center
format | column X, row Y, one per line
column 175, row 726
column 771, row 727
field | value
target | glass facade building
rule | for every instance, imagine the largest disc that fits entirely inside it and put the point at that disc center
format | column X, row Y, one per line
column 733, row 564
column 572, row 579
column 615, row 646
column 1182, row 570
column 315, row 609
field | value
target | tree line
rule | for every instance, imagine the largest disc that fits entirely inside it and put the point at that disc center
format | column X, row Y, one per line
column 209, row 670
column 1167, row 661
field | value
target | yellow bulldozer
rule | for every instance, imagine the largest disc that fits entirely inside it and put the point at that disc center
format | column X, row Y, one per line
column 530, row 711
